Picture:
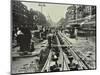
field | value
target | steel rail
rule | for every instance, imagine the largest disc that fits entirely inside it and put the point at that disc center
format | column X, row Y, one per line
column 76, row 56
column 62, row 59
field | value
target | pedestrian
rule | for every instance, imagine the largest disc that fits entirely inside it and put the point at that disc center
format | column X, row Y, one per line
column 26, row 38
column 50, row 39
column 20, row 36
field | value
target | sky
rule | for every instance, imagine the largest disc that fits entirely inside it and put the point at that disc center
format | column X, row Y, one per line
column 55, row 11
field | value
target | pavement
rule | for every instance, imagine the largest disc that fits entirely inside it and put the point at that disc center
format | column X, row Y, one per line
column 27, row 64
column 37, row 50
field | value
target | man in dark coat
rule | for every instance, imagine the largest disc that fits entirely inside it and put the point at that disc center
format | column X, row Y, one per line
column 20, row 36
column 26, row 38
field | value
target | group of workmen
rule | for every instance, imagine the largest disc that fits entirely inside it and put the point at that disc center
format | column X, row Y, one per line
column 23, row 37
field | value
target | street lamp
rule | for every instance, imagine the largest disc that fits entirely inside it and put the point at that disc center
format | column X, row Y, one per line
column 41, row 5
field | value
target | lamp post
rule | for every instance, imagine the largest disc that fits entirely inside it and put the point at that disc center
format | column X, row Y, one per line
column 76, row 17
column 41, row 5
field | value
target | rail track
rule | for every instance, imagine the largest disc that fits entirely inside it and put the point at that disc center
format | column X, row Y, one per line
column 80, row 59
column 60, row 62
column 68, row 59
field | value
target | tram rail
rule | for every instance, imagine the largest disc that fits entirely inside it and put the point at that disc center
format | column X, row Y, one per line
column 62, row 60
column 68, row 58
column 80, row 60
